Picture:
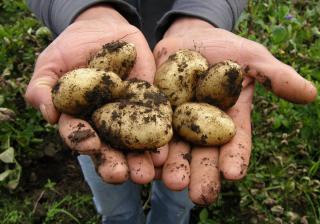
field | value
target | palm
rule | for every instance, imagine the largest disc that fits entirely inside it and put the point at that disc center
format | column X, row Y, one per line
column 233, row 158
column 71, row 50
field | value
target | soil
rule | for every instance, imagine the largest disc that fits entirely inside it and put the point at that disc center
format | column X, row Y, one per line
column 80, row 135
column 234, row 82
column 157, row 98
column 100, row 94
column 187, row 156
column 195, row 128
column 211, row 101
column 56, row 88
column 264, row 80
column 114, row 46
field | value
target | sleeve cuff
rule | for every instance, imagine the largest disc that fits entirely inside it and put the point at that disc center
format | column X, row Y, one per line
column 63, row 14
column 219, row 13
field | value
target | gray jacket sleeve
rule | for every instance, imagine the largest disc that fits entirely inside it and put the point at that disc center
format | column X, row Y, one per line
column 220, row 13
column 58, row 14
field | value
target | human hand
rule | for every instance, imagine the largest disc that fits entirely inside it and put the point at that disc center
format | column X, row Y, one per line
column 71, row 49
column 232, row 159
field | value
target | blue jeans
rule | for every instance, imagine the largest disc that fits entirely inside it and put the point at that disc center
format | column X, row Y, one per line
column 121, row 204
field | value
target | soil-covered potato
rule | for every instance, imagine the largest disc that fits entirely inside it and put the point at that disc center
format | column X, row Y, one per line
column 203, row 124
column 221, row 85
column 118, row 57
column 177, row 76
column 82, row 90
column 128, row 125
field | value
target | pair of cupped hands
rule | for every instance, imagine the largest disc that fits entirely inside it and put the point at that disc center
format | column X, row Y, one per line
column 101, row 24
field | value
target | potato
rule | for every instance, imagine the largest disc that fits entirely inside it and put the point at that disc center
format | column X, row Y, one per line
column 82, row 90
column 177, row 76
column 203, row 124
column 221, row 85
column 118, row 57
column 128, row 125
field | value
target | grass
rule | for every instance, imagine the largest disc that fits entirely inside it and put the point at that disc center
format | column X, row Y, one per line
column 41, row 183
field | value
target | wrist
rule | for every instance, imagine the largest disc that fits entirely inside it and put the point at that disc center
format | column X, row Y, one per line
column 101, row 12
column 184, row 25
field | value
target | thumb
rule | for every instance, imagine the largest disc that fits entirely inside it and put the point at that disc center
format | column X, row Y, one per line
column 38, row 94
column 144, row 67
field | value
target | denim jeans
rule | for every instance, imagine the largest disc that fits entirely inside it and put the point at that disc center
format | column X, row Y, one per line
column 121, row 204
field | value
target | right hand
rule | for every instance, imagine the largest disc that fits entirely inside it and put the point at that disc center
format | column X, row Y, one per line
column 93, row 28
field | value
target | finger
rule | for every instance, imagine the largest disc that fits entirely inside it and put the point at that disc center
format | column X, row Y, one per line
column 141, row 167
column 38, row 94
column 158, row 173
column 234, row 156
column 78, row 135
column 163, row 50
column 282, row 79
column 144, row 67
column 112, row 165
column 160, row 155
column 176, row 170
column 204, row 184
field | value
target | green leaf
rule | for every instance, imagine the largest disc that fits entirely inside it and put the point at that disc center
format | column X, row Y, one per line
column 10, row 178
column 7, row 156
column 277, row 122
column 43, row 32
column 316, row 74
column 5, row 174
column 279, row 34
column 282, row 12
column 285, row 122
column 203, row 215
column 315, row 50
column 15, row 178
column 1, row 99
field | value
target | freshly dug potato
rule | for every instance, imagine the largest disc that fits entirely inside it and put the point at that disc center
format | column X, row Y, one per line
column 177, row 76
column 128, row 125
column 203, row 124
column 221, row 85
column 118, row 57
column 82, row 90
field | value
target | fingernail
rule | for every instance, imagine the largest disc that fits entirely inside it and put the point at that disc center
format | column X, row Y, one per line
column 44, row 112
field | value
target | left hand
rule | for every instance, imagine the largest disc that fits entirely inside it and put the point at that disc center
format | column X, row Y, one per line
column 203, row 174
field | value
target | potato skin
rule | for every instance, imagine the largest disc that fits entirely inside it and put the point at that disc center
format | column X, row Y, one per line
column 177, row 76
column 203, row 124
column 221, row 85
column 146, row 94
column 118, row 57
column 82, row 90
column 127, row 125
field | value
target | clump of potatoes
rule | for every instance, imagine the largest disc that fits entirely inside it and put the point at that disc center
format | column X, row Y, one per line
column 200, row 93
column 128, row 115
column 136, row 115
